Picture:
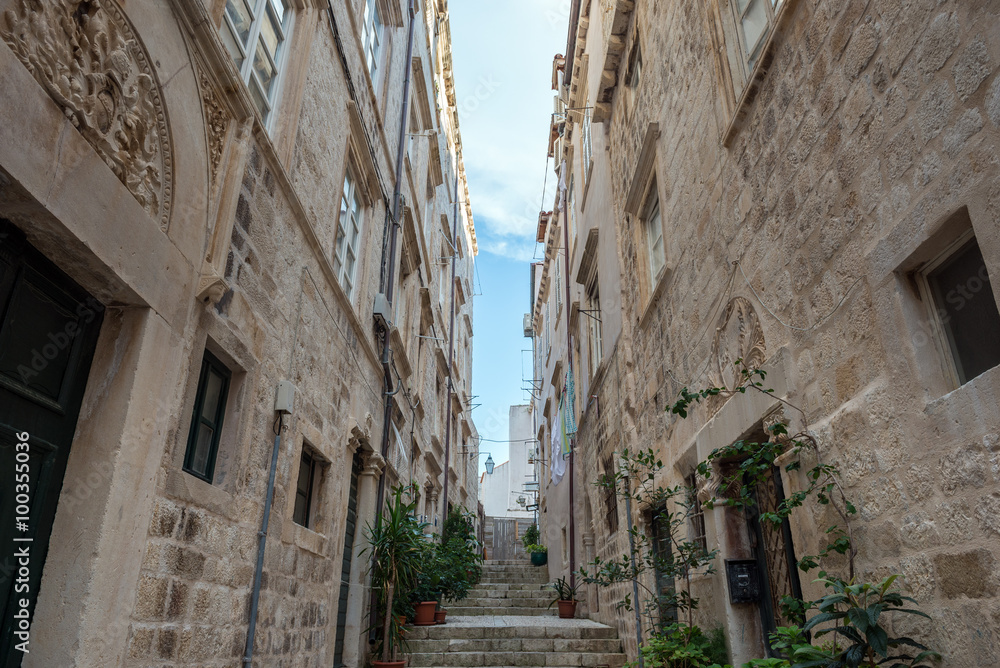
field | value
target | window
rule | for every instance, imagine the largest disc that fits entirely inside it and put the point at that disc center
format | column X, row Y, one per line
column 596, row 344
column 371, row 38
column 558, row 285
column 255, row 32
column 754, row 21
column 206, row 423
column 305, row 488
column 696, row 514
column 587, row 142
column 633, row 74
column 345, row 257
column 653, row 228
column 610, row 495
column 571, row 210
column 959, row 287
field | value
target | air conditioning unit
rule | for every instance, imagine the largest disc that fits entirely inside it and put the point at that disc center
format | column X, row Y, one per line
column 529, row 331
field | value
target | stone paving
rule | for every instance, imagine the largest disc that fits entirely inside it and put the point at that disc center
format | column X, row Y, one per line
column 506, row 622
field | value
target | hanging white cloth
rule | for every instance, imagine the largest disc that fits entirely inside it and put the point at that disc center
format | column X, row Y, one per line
column 558, row 468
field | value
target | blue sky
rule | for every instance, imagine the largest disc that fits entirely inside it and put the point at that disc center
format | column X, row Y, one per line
column 503, row 55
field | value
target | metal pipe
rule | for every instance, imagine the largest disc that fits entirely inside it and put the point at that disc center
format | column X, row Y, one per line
column 574, row 21
column 451, row 352
column 569, row 364
column 261, row 544
column 635, row 580
column 390, row 280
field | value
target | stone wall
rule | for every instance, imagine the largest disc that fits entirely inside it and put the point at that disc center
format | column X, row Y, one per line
column 148, row 564
column 873, row 128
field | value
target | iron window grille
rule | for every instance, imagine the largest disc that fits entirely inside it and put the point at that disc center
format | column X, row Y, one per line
column 696, row 515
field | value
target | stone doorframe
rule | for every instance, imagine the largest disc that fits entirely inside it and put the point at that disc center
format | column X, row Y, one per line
column 726, row 528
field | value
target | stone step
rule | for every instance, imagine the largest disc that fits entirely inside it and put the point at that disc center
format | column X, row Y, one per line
column 538, row 602
column 511, row 579
column 510, row 593
column 509, row 587
column 507, row 626
column 522, row 611
column 559, row 645
column 467, row 659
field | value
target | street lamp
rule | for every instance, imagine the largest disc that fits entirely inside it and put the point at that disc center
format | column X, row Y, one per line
column 489, row 465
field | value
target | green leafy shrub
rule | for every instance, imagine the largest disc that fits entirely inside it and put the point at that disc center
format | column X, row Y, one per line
column 680, row 646
column 531, row 536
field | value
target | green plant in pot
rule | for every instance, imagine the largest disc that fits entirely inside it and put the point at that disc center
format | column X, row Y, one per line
column 539, row 554
column 395, row 539
column 426, row 592
column 565, row 597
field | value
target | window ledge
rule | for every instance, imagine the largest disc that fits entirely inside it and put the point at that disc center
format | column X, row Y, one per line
column 189, row 488
column 753, row 85
column 306, row 539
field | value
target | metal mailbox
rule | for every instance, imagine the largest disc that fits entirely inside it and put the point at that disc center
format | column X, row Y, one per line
column 744, row 580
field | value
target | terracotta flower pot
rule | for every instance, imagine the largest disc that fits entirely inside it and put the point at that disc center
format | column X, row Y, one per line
column 567, row 609
column 439, row 616
column 389, row 664
column 424, row 615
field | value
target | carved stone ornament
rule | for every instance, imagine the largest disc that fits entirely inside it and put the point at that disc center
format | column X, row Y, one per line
column 86, row 56
column 738, row 337
column 216, row 123
column 211, row 286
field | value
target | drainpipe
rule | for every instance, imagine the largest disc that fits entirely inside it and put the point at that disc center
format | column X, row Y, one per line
column 262, row 534
column 451, row 351
column 569, row 364
column 397, row 201
column 574, row 21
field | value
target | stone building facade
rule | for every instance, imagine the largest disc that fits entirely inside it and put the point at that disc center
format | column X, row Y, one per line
column 197, row 203
column 811, row 187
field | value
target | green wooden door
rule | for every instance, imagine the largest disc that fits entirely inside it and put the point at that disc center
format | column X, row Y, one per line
column 48, row 331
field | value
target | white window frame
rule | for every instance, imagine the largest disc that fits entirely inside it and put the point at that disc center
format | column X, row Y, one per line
column 652, row 227
column 596, row 342
column 587, row 143
column 346, row 277
column 749, row 53
column 558, row 286
column 372, row 37
column 957, row 376
column 258, row 10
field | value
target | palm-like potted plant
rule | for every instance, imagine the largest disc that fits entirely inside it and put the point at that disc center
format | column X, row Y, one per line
column 395, row 539
column 565, row 597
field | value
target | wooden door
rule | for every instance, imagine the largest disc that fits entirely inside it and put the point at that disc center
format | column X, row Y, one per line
column 48, row 332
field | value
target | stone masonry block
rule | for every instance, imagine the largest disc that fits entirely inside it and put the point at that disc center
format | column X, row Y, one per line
column 969, row 574
column 971, row 68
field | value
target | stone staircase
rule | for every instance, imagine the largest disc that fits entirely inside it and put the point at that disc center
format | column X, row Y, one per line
column 505, row 621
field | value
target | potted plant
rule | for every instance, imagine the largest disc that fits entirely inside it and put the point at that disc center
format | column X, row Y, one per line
column 565, row 597
column 458, row 559
column 395, row 540
column 531, row 536
column 539, row 554
column 427, row 590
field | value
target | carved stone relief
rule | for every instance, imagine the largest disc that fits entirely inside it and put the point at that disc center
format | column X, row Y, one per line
column 216, row 122
column 87, row 57
column 738, row 337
